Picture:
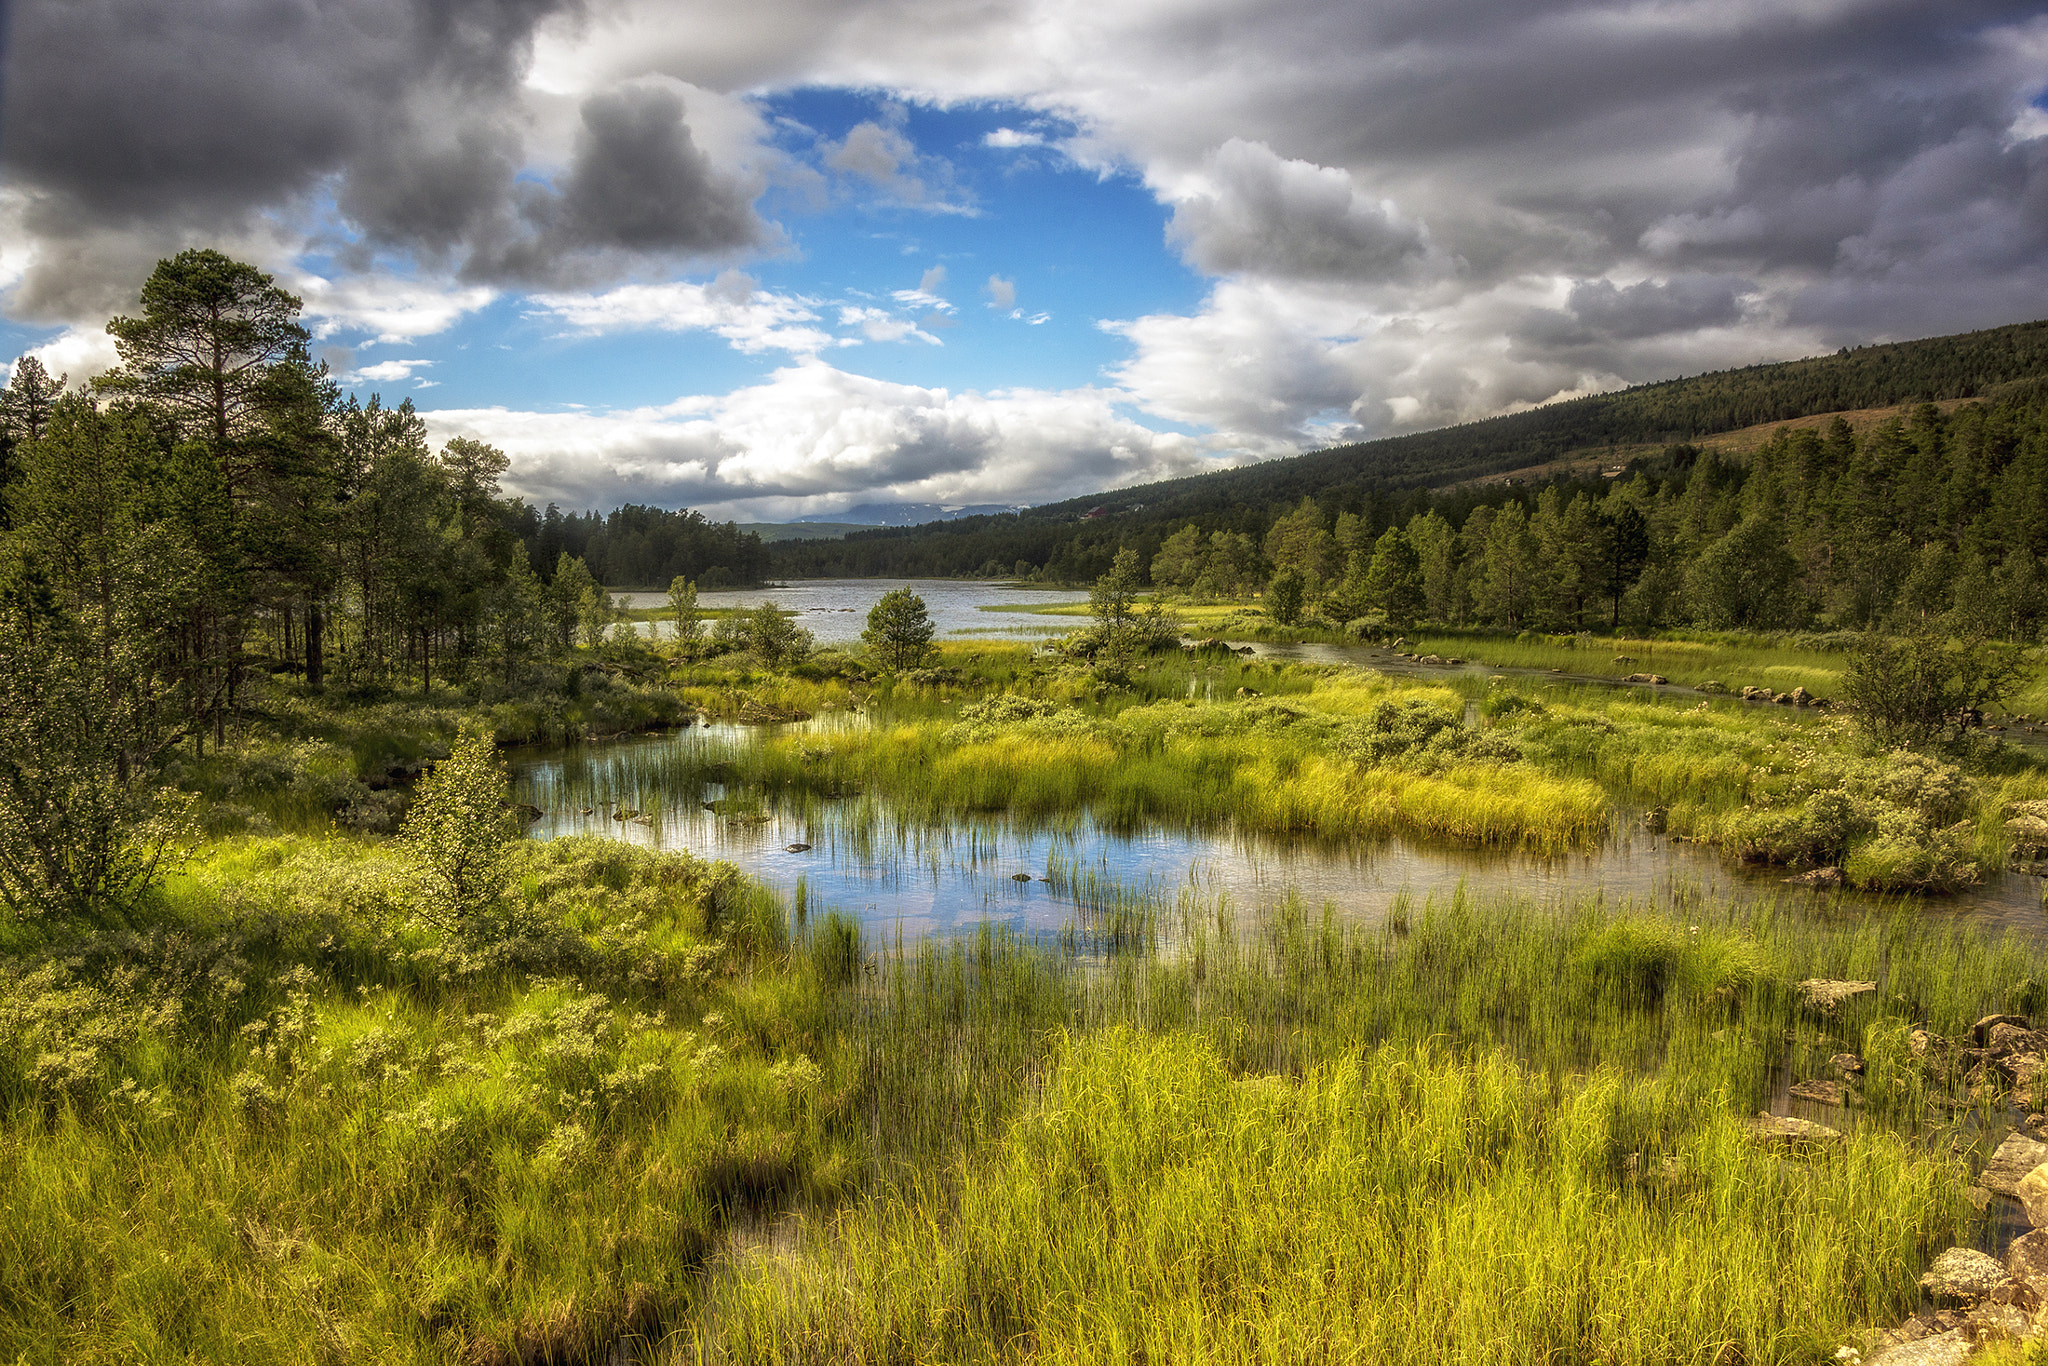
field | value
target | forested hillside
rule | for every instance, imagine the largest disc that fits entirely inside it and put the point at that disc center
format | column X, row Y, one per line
column 1383, row 481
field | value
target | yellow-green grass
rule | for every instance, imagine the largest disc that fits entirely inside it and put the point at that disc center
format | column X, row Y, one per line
column 1188, row 763
column 1689, row 662
column 1486, row 1132
column 286, row 1122
column 286, row 1118
column 1409, row 1206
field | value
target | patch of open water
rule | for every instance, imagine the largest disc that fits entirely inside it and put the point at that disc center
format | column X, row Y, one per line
column 898, row 875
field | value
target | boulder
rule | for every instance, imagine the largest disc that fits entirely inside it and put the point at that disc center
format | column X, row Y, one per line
column 1963, row 1275
column 794, row 848
column 1711, row 685
column 2011, row 1164
column 1827, row 996
column 1996, row 1321
column 1800, row 696
column 2006, row 1038
column 1981, row 1031
column 1646, row 678
column 1783, row 1131
column 1848, row 1064
column 1783, row 699
column 2026, row 1261
column 1942, row 1349
column 1818, row 878
column 2032, row 1192
column 1824, row 1092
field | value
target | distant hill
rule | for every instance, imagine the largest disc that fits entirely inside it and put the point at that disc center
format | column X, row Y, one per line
column 771, row 532
column 909, row 514
column 1066, row 538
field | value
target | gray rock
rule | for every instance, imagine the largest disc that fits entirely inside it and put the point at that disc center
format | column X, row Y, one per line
column 1981, row 1031
column 1943, row 1349
column 1848, row 1064
column 2010, row 1165
column 2006, row 1037
column 1963, row 1275
column 1825, row 995
column 2026, row 1261
column 1997, row 1322
column 1825, row 1092
column 1785, row 1132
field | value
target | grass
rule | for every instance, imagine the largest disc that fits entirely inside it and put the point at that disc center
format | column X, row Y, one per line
column 1267, row 764
column 1484, row 1132
column 283, row 1117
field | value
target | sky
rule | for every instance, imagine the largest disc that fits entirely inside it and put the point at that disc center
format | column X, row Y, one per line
column 794, row 256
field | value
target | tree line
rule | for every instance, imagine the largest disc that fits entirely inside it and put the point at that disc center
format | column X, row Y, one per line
column 1390, row 478
column 1930, row 518
column 215, row 505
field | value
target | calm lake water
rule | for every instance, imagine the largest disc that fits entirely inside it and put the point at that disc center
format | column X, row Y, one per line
column 836, row 610
column 902, row 876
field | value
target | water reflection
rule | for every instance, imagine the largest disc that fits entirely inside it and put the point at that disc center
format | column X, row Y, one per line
column 835, row 611
column 863, row 858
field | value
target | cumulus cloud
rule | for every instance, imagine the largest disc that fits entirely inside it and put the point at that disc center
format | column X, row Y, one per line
column 812, row 438
column 387, row 372
column 134, row 131
column 1411, row 213
column 880, row 325
column 1252, row 211
column 1001, row 293
column 730, row 306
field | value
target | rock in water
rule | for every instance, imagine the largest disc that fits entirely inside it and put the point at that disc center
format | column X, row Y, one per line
column 2015, row 1159
column 2026, row 1261
column 1963, row 1275
column 1020, row 877
column 1826, row 1092
column 1828, row 996
column 1785, row 1131
column 794, row 848
column 2032, row 1192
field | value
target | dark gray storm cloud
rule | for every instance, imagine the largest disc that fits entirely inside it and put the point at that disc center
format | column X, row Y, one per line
column 151, row 119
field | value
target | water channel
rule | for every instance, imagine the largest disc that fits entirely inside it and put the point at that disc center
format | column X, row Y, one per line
column 904, row 877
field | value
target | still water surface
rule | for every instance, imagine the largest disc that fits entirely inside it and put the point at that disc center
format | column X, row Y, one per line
column 835, row 611
column 897, row 875
column 902, row 876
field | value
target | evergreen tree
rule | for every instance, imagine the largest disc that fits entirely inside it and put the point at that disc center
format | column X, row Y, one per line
column 899, row 630
column 1394, row 582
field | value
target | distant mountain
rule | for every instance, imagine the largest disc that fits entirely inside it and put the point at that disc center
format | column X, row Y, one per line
column 910, row 514
column 1075, row 539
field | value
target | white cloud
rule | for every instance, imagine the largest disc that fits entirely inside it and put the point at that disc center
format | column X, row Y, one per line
column 880, row 325
column 79, row 353
column 1001, row 293
column 813, row 437
column 388, row 372
column 389, row 309
column 1011, row 137
column 753, row 321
